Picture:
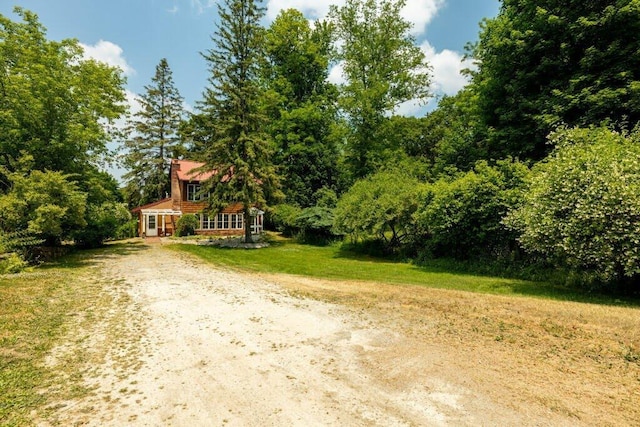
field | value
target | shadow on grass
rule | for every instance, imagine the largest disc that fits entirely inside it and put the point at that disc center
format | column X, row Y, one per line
column 519, row 285
column 78, row 258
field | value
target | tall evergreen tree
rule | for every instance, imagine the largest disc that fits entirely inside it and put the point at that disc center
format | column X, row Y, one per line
column 154, row 139
column 238, row 148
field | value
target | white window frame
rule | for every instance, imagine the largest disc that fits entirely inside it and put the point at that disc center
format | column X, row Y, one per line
column 223, row 221
column 237, row 221
column 192, row 192
column 207, row 222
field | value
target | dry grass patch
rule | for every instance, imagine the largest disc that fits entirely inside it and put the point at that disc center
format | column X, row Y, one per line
column 574, row 360
column 57, row 323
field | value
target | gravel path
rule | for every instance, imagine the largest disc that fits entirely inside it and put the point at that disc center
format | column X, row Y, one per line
column 208, row 347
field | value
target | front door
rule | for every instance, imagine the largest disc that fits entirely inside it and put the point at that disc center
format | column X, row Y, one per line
column 152, row 225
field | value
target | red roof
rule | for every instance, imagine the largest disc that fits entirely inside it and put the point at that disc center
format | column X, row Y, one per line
column 186, row 170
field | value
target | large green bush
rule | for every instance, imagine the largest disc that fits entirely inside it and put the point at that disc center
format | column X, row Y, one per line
column 187, row 225
column 103, row 223
column 315, row 225
column 461, row 216
column 47, row 205
column 380, row 206
column 283, row 218
column 582, row 207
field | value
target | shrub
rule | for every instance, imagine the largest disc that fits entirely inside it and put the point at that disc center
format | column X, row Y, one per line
column 187, row 225
column 582, row 207
column 380, row 206
column 283, row 218
column 462, row 216
column 127, row 230
column 12, row 263
column 103, row 223
column 315, row 225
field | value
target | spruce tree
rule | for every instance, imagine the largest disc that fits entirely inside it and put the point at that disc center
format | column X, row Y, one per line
column 154, row 139
column 238, row 148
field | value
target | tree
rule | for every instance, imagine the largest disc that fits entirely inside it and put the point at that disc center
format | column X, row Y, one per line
column 462, row 216
column 544, row 63
column 53, row 103
column 379, row 206
column 581, row 209
column 383, row 68
column 303, row 111
column 238, row 150
column 154, row 139
column 46, row 205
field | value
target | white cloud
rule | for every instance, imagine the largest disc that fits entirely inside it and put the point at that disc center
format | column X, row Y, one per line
column 110, row 53
column 173, row 10
column 336, row 74
column 447, row 66
column 421, row 12
column 201, row 5
column 418, row 12
column 313, row 9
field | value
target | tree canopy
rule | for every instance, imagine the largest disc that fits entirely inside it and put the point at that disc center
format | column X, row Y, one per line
column 548, row 63
column 303, row 111
column 53, row 103
column 383, row 68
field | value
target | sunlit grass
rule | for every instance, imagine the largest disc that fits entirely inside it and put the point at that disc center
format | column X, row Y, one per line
column 336, row 262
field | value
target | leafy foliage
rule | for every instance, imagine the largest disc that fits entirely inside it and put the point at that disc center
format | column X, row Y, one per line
column 103, row 223
column 380, row 206
column 315, row 224
column 187, row 225
column 232, row 116
column 46, row 205
column 462, row 216
column 53, row 103
column 302, row 107
column 545, row 63
column 582, row 207
column 154, row 139
column 283, row 218
column 383, row 68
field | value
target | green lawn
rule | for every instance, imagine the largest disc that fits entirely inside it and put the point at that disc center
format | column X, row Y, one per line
column 334, row 262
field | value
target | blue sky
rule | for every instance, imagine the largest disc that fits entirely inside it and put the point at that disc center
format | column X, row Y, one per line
column 136, row 34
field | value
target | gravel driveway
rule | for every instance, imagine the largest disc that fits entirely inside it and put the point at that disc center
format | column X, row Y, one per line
column 201, row 346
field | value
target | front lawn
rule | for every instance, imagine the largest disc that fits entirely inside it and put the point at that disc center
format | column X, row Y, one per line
column 337, row 263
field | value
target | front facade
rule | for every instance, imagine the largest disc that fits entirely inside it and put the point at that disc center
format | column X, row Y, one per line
column 159, row 218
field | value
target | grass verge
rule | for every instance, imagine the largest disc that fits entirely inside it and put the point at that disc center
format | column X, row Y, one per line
column 335, row 262
column 39, row 310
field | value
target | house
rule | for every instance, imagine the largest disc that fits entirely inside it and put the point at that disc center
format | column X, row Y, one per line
column 159, row 218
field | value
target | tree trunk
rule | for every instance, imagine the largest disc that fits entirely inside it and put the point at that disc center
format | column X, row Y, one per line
column 247, row 224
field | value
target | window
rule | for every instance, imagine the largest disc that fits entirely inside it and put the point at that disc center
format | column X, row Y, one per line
column 208, row 223
column 192, row 192
column 223, row 221
column 236, row 221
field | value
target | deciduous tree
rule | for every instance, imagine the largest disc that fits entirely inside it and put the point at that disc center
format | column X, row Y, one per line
column 582, row 206
column 383, row 68
column 53, row 103
column 544, row 63
column 303, row 111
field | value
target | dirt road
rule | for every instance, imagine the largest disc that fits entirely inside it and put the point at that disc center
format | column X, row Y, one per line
column 186, row 344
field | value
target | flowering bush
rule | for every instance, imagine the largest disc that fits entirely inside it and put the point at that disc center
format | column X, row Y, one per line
column 582, row 207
